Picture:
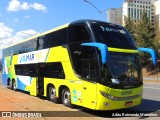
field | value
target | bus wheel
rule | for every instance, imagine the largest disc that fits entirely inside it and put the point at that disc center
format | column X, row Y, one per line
column 14, row 84
column 52, row 94
column 10, row 85
column 66, row 97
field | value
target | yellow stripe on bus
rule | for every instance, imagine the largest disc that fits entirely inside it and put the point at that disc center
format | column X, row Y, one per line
column 122, row 50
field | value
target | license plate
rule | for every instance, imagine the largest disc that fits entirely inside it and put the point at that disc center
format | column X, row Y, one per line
column 128, row 103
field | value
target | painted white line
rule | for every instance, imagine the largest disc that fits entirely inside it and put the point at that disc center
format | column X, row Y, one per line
column 152, row 88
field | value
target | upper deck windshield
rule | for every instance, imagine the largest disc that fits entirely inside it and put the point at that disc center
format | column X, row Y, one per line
column 112, row 35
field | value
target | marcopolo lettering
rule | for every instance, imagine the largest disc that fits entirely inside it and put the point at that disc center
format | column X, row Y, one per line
column 126, row 92
column 25, row 58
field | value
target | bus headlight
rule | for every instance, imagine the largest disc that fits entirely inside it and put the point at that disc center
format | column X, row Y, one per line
column 108, row 96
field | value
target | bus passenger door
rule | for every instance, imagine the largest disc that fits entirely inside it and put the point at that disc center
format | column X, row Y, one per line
column 40, row 79
column 89, row 85
column 33, row 87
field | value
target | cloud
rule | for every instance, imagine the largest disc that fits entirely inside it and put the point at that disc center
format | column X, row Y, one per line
column 38, row 6
column 16, row 5
column 26, row 16
column 16, row 20
column 5, row 32
column 7, row 37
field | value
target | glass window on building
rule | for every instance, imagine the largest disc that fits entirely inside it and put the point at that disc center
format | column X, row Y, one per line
column 131, row 12
column 138, row 13
column 134, row 13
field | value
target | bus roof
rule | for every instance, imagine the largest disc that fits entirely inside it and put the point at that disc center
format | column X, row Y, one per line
column 41, row 34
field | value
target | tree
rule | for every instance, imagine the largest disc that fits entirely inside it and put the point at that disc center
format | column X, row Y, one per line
column 130, row 26
column 145, row 35
column 145, row 32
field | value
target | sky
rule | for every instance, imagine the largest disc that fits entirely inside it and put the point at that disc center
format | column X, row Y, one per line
column 20, row 19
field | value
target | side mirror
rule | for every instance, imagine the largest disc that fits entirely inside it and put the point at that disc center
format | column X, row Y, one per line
column 152, row 52
column 102, row 47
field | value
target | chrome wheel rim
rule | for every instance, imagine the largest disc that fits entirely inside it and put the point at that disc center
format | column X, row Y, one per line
column 53, row 93
column 14, row 86
column 66, row 97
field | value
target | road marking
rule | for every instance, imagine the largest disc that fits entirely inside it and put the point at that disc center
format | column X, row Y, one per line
column 152, row 88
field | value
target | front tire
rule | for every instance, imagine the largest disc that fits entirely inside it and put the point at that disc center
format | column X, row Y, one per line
column 66, row 97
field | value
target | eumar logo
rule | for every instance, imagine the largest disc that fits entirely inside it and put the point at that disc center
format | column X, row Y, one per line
column 126, row 92
column 25, row 58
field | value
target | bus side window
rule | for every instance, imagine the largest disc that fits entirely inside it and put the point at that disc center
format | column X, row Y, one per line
column 26, row 70
column 40, row 43
column 87, row 70
column 53, row 70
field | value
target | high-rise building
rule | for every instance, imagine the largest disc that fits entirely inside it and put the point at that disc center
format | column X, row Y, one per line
column 135, row 8
column 115, row 15
column 157, row 15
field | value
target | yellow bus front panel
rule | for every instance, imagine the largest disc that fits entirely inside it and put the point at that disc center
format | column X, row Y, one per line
column 110, row 99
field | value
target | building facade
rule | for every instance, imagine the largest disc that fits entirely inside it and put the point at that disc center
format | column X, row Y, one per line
column 135, row 8
column 115, row 15
column 157, row 15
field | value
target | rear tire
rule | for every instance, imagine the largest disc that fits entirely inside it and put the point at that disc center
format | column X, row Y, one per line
column 14, row 84
column 66, row 97
column 10, row 85
column 52, row 94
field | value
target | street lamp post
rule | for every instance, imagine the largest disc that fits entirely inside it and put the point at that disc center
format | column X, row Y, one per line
column 92, row 5
column 100, row 11
column 26, row 33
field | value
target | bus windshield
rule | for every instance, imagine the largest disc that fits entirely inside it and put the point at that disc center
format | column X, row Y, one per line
column 122, row 70
column 112, row 35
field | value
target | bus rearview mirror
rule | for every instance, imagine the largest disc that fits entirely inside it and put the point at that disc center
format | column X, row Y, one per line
column 152, row 53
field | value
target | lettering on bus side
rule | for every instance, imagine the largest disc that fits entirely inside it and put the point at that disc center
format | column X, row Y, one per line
column 25, row 58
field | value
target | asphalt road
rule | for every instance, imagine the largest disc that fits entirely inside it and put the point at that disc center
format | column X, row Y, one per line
column 149, row 107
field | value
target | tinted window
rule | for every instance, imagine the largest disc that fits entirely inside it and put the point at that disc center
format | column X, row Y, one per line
column 40, row 43
column 53, row 39
column 113, row 35
column 27, row 46
column 79, row 52
column 78, row 33
column 52, row 70
column 26, row 70
column 86, row 69
column 24, row 47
